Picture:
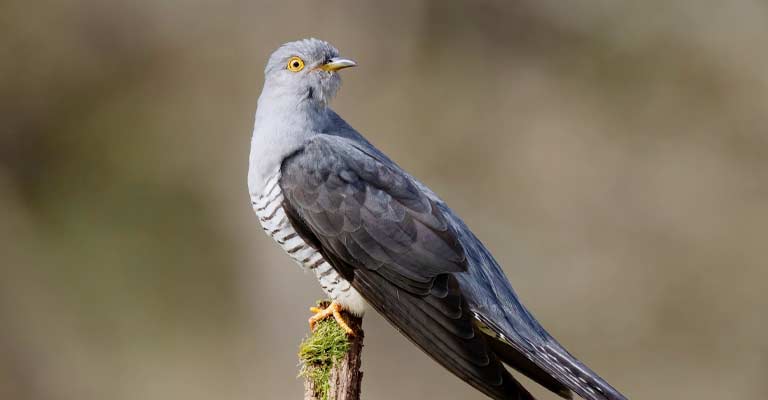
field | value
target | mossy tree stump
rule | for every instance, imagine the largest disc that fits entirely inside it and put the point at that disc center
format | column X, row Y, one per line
column 330, row 360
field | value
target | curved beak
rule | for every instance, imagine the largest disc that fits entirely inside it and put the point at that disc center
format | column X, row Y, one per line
column 337, row 63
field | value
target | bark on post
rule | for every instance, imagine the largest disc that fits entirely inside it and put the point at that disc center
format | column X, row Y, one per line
column 345, row 377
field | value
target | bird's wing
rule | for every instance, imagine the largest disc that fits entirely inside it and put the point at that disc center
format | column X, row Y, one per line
column 384, row 235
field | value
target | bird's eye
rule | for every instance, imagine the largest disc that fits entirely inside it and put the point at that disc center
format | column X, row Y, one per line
column 295, row 64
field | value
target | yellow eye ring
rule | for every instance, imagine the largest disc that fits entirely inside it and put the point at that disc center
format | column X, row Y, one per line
column 295, row 64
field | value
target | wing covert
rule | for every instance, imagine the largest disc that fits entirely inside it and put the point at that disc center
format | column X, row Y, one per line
column 371, row 214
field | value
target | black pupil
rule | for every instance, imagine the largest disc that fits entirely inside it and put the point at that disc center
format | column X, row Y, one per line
column 295, row 64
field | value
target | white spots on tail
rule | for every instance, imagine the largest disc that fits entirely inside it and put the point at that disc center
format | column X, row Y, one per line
column 544, row 355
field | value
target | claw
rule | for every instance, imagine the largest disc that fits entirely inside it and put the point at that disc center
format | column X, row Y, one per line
column 334, row 309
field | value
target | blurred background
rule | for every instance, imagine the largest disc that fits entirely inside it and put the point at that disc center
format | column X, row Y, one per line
column 612, row 155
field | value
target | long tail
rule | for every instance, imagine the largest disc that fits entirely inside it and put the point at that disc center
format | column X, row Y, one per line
column 550, row 365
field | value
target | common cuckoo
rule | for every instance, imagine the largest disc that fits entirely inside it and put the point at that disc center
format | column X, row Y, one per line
column 373, row 234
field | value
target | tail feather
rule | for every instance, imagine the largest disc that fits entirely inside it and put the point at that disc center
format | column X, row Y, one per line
column 585, row 382
column 548, row 364
column 508, row 355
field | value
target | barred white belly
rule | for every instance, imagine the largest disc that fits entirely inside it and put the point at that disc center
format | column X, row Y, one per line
column 274, row 221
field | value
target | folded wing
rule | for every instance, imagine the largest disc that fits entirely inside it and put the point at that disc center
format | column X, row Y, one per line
column 386, row 236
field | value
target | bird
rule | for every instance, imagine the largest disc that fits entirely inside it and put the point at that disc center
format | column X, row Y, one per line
column 376, row 236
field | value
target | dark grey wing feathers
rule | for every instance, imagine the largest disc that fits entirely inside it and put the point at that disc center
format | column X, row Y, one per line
column 375, row 211
column 390, row 240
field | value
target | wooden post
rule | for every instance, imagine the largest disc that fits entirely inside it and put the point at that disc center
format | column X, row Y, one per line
column 345, row 375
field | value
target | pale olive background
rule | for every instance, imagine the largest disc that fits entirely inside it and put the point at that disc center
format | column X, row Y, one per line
column 612, row 155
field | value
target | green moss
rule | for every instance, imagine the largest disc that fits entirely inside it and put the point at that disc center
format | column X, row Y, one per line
column 320, row 351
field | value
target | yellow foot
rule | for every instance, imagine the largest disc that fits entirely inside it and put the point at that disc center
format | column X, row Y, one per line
column 333, row 309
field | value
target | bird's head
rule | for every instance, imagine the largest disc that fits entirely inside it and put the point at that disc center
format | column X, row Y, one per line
column 305, row 70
